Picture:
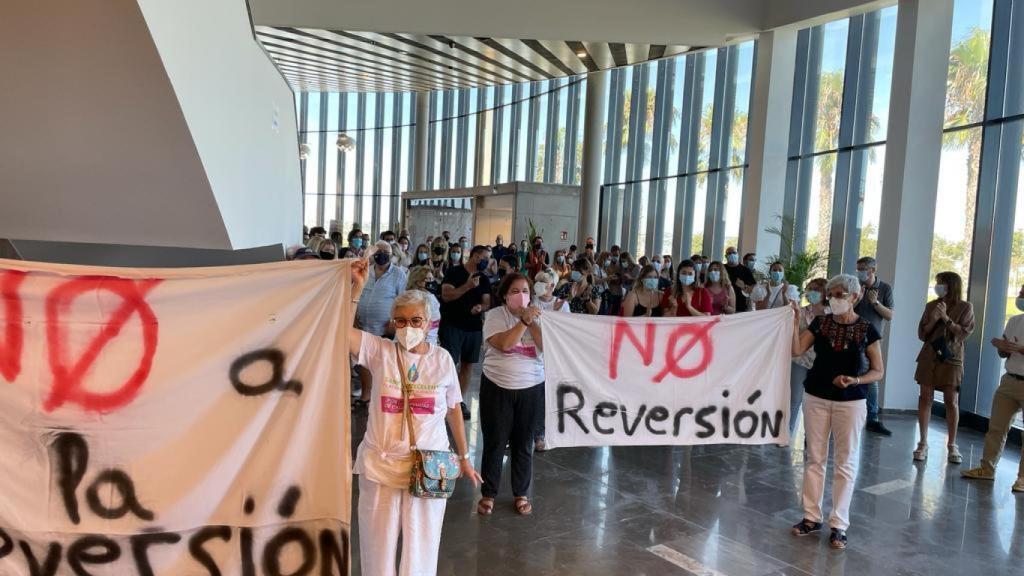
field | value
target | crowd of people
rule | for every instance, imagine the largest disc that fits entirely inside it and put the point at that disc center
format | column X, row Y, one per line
column 445, row 305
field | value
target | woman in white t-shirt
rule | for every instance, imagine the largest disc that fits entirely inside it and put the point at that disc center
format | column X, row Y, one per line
column 544, row 295
column 422, row 278
column 384, row 459
column 775, row 293
column 511, row 392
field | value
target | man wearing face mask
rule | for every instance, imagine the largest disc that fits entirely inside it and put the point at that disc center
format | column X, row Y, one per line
column 875, row 306
column 465, row 296
column 355, row 242
column 1007, row 402
column 384, row 283
column 538, row 259
column 741, row 276
column 500, row 249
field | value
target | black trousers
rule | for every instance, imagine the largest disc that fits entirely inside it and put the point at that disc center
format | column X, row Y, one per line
column 508, row 417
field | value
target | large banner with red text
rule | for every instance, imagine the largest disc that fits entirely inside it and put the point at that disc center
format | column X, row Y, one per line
column 667, row 381
column 174, row 421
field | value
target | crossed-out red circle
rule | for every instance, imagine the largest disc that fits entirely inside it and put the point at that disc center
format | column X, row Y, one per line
column 695, row 334
column 67, row 375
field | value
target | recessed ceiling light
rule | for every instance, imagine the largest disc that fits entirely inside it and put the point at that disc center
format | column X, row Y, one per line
column 581, row 54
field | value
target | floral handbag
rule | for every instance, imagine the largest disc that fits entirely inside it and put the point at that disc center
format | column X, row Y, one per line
column 434, row 472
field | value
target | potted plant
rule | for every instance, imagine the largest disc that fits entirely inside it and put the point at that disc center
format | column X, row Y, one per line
column 799, row 266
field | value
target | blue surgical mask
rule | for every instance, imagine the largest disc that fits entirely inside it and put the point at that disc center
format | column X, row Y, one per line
column 813, row 296
column 687, row 279
column 455, row 256
column 576, row 276
column 357, row 243
column 560, row 259
column 714, row 275
column 607, row 263
column 777, row 275
column 465, row 245
column 862, row 275
column 657, row 266
column 751, row 263
column 732, row 258
column 651, row 283
column 422, row 256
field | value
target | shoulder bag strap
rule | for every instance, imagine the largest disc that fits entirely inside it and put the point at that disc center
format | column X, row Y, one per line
column 407, row 422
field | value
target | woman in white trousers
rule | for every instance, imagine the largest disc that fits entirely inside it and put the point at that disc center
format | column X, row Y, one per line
column 847, row 357
column 384, row 460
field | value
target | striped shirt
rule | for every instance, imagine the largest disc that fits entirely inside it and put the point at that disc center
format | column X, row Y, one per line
column 374, row 309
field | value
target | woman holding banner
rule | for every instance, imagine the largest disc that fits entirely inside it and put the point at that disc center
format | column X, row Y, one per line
column 511, row 392
column 384, row 461
column 847, row 358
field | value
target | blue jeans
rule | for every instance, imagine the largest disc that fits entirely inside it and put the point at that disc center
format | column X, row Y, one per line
column 796, row 394
column 873, row 402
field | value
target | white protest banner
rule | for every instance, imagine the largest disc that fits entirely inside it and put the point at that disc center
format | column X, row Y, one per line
column 174, row 421
column 663, row 381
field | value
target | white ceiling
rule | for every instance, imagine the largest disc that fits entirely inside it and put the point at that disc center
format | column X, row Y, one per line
column 392, row 45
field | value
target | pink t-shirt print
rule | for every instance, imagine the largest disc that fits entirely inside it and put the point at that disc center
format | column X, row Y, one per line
column 392, row 405
column 527, row 351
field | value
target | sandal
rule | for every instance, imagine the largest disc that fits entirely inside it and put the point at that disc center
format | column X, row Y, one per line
column 523, row 506
column 806, row 527
column 838, row 539
column 954, row 456
column 485, row 506
column 921, row 454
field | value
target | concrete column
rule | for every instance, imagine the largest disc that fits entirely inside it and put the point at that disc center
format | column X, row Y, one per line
column 764, row 185
column 590, row 180
column 419, row 149
column 910, row 184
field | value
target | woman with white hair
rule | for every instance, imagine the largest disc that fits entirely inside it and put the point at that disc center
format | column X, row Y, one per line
column 544, row 294
column 847, row 358
column 384, row 461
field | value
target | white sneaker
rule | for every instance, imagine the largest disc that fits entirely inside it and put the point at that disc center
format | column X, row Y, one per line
column 954, row 455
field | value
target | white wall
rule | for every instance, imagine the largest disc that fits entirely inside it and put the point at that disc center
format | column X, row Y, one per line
column 230, row 95
column 93, row 144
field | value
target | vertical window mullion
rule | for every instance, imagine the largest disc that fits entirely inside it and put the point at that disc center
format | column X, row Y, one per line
column 360, row 164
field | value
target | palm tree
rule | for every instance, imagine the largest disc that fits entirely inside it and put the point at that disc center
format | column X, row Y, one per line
column 965, row 102
column 826, row 134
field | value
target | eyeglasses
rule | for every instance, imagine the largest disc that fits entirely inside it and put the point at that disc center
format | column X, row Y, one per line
column 415, row 322
column 843, row 295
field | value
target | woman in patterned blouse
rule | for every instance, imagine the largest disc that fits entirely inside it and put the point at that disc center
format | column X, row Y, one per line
column 847, row 357
column 581, row 293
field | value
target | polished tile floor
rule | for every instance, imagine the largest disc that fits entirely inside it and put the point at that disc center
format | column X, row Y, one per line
column 726, row 511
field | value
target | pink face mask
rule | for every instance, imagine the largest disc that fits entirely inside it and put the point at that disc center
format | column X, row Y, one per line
column 517, row 301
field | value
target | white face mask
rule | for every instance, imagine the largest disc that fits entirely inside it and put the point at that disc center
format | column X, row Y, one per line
column 540, row 289
column 940, row 290
column 409, row 337
column 839, row 306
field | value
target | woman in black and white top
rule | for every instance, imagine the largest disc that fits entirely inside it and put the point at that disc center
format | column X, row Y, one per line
column 511, row 392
